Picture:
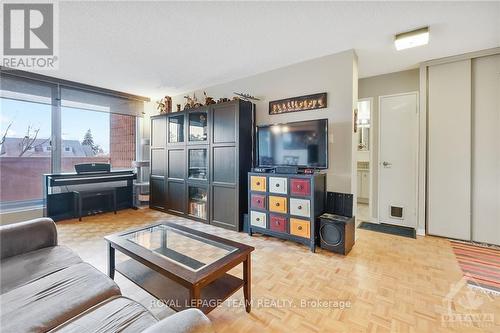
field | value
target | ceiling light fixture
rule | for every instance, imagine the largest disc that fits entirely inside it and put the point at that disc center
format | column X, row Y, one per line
column 412, row 38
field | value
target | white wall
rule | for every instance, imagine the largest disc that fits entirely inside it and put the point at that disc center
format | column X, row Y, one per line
column 145, row 124
column 363, row 155
column 381, row 85
column 335, row 74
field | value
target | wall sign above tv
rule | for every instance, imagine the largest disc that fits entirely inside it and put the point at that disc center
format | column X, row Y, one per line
column 300, row 103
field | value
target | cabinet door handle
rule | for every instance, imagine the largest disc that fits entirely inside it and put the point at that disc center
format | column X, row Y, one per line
column 258, row 201
column 299, row 207
column 299, row 187
column 277, row 185
column 277, row 222
column 257, row 219
column 277, row 204
column 299, row 227
column 257, row 183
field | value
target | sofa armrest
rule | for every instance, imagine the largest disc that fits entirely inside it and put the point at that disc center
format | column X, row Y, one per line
column 187, row 321
column 27, row 236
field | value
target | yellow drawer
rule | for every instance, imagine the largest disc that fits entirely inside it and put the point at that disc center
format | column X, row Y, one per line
column 300, row 228
column 277, row 204
column 258, row 183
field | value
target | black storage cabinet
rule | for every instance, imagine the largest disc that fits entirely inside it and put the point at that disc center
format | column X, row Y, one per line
column 200, row 159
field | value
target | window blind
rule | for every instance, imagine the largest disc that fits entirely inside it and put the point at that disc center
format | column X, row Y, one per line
column 37, row 88
column 81, row 99
column 22, row 89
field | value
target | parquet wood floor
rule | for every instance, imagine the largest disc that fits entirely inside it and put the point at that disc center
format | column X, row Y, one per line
column 393, row 284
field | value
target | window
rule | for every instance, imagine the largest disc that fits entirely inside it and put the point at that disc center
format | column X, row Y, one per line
column 96, row 125
column 97, row 137
column 25, row 152
column 86, row 131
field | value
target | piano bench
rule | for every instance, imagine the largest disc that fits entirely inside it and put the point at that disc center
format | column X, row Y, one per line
column 81, row 195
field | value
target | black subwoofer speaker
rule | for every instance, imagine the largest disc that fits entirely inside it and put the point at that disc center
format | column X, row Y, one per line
column 336, row 233
column 336, row 226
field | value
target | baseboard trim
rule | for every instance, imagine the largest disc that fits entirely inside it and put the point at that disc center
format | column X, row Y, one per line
column 420, row 231
column 20, row 215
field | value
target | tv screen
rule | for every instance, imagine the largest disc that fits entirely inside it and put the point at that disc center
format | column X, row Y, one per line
column 303, row 144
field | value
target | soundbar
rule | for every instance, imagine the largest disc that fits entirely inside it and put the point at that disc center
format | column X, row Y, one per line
column 286, row 169
column 263, row 170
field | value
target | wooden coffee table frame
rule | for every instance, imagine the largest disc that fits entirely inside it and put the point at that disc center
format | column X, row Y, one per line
column 181, row 287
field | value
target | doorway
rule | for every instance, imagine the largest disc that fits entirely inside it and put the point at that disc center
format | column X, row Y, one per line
column 397, row 168
column 364, row 158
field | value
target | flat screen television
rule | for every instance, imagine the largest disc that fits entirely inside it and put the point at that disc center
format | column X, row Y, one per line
column 303, row 144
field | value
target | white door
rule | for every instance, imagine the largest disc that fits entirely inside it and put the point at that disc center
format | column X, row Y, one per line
column 398, row 159
column 449, row 149
column 486, row 149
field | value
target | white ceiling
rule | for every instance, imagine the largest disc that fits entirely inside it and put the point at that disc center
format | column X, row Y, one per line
column 158, row 48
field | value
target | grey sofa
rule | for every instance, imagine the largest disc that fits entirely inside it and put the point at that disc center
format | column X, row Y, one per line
column 47, row 287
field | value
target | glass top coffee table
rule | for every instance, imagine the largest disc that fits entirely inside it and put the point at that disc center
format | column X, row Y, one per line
column 181, row 266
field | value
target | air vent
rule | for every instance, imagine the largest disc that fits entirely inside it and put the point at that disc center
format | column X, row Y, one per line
column 396, row 212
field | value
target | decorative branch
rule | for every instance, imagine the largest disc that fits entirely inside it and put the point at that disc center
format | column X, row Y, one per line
column 29, row 139
column 2, row 140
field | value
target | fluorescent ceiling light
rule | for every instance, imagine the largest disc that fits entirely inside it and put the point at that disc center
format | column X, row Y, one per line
column 413, row 38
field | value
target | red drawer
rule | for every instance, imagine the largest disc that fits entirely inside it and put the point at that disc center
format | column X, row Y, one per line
column 258, row 201
column 278, row 223
column 300, row 186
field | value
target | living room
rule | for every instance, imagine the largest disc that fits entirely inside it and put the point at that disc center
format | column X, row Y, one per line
column 250, row 166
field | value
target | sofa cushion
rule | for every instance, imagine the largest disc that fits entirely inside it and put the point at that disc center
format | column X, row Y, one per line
column 50, row 301
column 114, row 315
column 27, row 236
column 190, row 320
column 25, row 268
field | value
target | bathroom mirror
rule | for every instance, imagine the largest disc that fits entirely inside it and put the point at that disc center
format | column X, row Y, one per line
column 364, row 123
column 364, row 138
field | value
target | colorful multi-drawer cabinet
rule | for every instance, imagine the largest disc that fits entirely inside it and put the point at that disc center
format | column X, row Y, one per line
column 286, row 205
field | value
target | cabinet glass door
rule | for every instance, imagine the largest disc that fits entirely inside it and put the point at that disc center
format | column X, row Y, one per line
column 198, row 202
column 198, row 162
column 176, row 129
column 198, row 126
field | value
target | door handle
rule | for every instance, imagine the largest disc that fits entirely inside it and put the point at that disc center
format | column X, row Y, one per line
column 386, row 164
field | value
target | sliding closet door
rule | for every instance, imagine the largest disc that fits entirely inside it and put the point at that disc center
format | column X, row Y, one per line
column 449, row 150
column 486, row 149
